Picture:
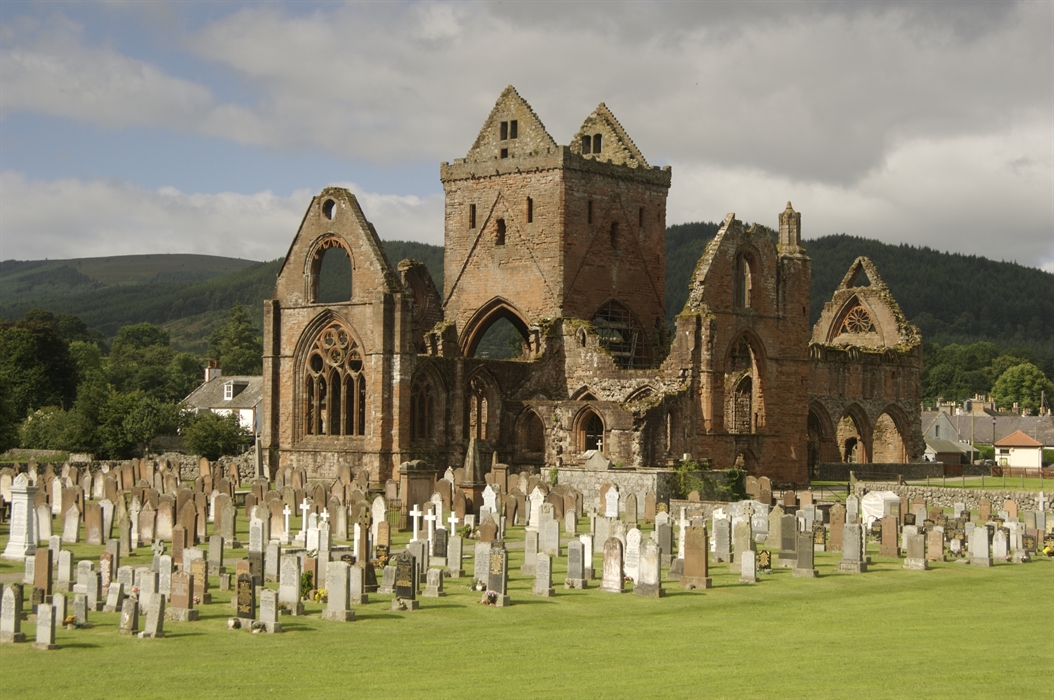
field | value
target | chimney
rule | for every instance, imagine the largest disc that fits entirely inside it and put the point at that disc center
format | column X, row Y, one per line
column 212, row 370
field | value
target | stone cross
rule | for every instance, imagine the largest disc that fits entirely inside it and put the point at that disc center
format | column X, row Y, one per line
column 325, row 516
column 287, row 511
column 430, row 518
column 416, row 514
column 305, row 506
column 453, row 520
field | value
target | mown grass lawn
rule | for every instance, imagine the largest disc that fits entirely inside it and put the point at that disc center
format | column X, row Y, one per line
column 954, row 631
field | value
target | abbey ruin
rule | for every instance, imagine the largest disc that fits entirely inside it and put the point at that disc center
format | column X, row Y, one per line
column 567, row 244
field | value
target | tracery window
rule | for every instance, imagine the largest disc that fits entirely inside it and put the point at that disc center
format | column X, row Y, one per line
column 743, row 407
column 621, row 335
column 422, row 411
column 477, row 409
column 857, row 320
column 334, row 385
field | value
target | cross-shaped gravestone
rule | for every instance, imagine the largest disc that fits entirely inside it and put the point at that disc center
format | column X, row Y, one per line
column 305, row 506
column 430, row 518
column 325, row 516
column 600, row 445
column 287, row 511
column 453, row 520
column 416, row 513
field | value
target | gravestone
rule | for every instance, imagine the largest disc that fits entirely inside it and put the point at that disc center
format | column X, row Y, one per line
column 890, row 547
column 338, row 608
column 629, row 510
column 696, row 558
column 587, row 556
column 788, row 542
column 984, row 509
column 498, row 575
column 455, row 557
column 631, row 560
column 71, row 525
column 406, row 582
column 915, row 544
column 576, row 577
column 245, row 595
column 530, row 553
column 154, row 628
column 837, row 514
column 743, row 542
column 434, row 584
column 387, row 586
column 481, row 561
column 613, row 580
column 289, row 585
column 852, row 508
column 549, row 537
column 804, row 567
column 181, row 598
column 852, row 549
column 11, row 613
column 129, row 623
column 611, row 505
column 649, row 577
column 269, row 611
column 664, row 538
column 22, row 525
column 999, row 545
column 935, row 543
column 45, row 628
column 722, row 540
column 199, row 570
column 359, row 577
column 748, row 572
column 543, row 577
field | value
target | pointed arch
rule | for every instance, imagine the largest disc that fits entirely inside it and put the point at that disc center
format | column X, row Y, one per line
column 331, row 379
column 745, row 384
column 427, row 402
column 485, row 317
column 853, row 435
column 822, row 446
column 887, row 437
column 530, row 435
column 855, row 318
column 589, row 430
column 481, row 406
column 319, row 263
column 583, row 393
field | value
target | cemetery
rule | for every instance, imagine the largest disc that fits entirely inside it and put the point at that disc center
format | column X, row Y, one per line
column 138, row 581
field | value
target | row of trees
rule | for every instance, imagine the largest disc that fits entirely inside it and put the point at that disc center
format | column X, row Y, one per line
column 62, row 387
column 958, row 372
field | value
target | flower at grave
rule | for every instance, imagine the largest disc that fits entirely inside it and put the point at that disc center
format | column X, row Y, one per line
column 489, row 598
column 135, row 590
column 321, row 596
column 70, row 619
column 197, row 600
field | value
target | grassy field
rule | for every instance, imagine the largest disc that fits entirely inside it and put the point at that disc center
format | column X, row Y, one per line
column 954, row 631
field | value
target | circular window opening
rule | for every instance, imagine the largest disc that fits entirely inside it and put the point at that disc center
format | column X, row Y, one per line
column 316, row 363
column 328, row 208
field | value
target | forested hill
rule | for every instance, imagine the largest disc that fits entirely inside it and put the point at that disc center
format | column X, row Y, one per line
column 951, row 297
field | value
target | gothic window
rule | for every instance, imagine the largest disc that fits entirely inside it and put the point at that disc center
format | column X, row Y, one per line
column 499, row 239
column 621, row 335
column 743, row 407
column 330, row 273
column 591, row 431
column 477, row 409
column 857, row 320
column 744, row 281
column 422, row 411
column 532, row 434
column 334, row 385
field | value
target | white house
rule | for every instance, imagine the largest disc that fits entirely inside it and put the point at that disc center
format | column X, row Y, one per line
column 240, row 395
column 1019, row 450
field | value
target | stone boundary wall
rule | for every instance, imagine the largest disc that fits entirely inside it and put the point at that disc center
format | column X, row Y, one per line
column 939, row 496
column 635, row 481
column 839, row 471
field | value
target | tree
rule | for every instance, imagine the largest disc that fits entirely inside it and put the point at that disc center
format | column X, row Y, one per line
column 236, row 346
column 141, row 335
column 1022, row 384
column 8, row 417
column 212, row 435
column 36, row 365
column 148, row 419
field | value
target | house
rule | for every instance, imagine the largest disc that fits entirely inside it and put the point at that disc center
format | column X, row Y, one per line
column 240, row 395
column 1019, row 450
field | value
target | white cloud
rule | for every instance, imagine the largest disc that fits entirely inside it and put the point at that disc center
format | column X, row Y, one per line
column 72, row 218
column 1001, row 211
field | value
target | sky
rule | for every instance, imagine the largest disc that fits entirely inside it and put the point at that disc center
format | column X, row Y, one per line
column 186, row 127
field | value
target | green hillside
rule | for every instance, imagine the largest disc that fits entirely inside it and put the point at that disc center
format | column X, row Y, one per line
column 953, row 298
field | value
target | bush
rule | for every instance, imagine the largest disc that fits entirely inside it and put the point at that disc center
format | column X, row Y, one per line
column 1048, row 457
column 212, row 435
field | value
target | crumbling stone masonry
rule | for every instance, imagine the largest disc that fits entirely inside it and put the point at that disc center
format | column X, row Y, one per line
column 567, row 243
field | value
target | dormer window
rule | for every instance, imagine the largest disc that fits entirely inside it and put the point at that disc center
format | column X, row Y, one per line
column 228, row 391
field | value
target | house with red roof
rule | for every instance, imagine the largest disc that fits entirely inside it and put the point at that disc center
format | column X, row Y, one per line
column 1018, row 449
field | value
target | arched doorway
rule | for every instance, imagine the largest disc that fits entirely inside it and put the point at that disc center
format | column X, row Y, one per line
column 887, row 442
column 851, row 438
column 590, row 431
